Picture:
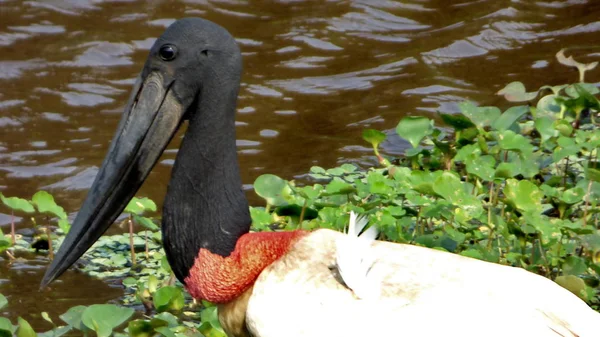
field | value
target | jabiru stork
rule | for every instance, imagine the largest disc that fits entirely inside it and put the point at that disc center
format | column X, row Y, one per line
column 298, row 283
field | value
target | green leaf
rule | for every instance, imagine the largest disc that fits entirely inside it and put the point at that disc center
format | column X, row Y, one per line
column 25, row 329
column 569, row 61
column 337, row 186
column 140, row 205
column 73, row 317
column 45, row 203
column 524, row 195
column 482, row 167
column 457, row 122
column 6, row 327
column 272, row 188
column 64, row 225
column 509, row 117
column 545, row 126
column 414, row 129
column 17, row 204
column 515, row 92
column 140, row 328
column 548, row 106
column 165, row 331
column 592, row 171
column 574, row 265
column 3, row 301
column 481, row 116
column 509, row 140
column 103, row 318
column 145, row 222
column 375, row 137
column 168, row 298
column 573, row 195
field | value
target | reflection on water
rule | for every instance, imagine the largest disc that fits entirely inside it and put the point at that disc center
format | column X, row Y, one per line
column 316, row 74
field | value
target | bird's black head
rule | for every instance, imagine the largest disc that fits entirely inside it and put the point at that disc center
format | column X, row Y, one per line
column 192, row 72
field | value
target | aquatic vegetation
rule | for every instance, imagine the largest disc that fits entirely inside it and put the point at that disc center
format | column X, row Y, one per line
column 519, row 187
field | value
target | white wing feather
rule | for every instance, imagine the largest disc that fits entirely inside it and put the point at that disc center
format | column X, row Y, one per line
column 354, row 258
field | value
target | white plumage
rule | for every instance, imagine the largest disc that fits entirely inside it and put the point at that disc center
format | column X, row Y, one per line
column 419, row 292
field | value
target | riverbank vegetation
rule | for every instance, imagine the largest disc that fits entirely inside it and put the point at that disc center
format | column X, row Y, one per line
column 518, row 187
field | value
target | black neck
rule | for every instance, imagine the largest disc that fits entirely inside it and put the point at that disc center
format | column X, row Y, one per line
column 205, row 206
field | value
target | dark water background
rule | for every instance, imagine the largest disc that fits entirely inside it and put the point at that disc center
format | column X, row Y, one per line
column 316, row 74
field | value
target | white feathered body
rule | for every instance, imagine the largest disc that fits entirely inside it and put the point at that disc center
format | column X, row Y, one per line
column 418, row 292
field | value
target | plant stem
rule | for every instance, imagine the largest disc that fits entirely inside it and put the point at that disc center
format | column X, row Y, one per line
column 302, row 213
column 10, row 256
column 565, row 174
column 50, row 249
column 131, row 248
column 12, row 227
column 587, row 203
column 146, row 237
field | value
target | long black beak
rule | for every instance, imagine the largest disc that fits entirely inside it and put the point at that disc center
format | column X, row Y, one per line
column 151, row 118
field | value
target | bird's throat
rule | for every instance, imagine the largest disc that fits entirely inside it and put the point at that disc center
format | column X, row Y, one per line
column 221, row 279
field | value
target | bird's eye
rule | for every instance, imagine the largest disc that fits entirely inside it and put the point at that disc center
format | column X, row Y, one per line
column 167, row 52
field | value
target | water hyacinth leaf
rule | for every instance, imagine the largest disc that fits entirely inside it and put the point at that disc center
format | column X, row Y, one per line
column 515, row 92
column 482, row 167
column 379, row 184
column 510, row 117
column 145, row 222
column 165, row 331
column 140, row 328
column 260, row 217
column 337, row 186
column 524, row 195
column 17, row 204
column 3, row 301
column 64, row 225
column 73, row 317
column 573, row 195
column 449, row 187
column 585, row 91
column 566, row 147
column 570, row 61
column 509, row 140
column 6, row 327
column 457, row 122
column 563, row 127
column 209, row 315
column 414, row 129
column 103, row 318
column 45, row 203
column 311, row 192
column 548, row 106
column 272, row 188
column 375, row 137
column 474, row 253
column 545, row 126
column 574, row 265
column 592, row 171
column 140, row 205
column 481, row 116
column 25, row 329
column 168, row 298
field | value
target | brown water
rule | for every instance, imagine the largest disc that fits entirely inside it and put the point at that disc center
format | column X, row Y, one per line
column 316, row 74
